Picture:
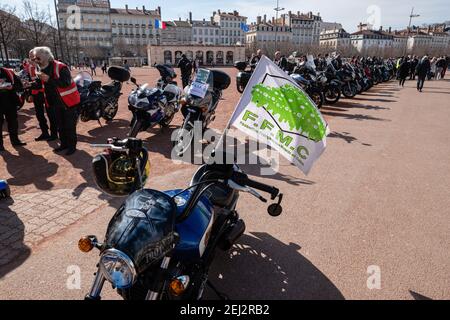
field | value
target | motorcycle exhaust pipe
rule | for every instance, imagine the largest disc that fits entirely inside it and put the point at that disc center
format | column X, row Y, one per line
column 234, row 233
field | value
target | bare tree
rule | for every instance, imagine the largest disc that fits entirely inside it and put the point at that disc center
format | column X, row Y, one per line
column 9, row 25
column 36, row 23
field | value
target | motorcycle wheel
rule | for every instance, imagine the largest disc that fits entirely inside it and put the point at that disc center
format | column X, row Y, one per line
column 184, row 140
column 318, row 98
column 135, row 129
column 167, row 120
column 240, row 88
column 332, row 95
column 110, row 111
column 349, row 91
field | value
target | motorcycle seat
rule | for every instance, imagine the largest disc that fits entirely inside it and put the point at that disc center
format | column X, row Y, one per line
column 219, row 195
column 110, row 88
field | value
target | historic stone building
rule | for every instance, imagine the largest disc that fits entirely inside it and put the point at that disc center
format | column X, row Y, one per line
column 206, row 55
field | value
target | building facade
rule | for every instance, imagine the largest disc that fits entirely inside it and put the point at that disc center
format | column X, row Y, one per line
column 231, row 31
column 374, row 41
column 305, row 28
column 263, row 33
column 134, row 28
column 205, row 32
column 205, row 54
column 335, row 39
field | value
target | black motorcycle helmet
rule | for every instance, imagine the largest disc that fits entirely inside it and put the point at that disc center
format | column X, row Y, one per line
column 116, row 173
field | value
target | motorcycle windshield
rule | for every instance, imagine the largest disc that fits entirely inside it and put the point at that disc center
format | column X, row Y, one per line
column 83, row 79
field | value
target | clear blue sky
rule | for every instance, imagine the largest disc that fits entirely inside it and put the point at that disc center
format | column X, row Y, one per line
column 393, row 12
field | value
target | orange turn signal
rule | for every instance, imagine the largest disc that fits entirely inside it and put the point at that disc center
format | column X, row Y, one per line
column 178, row 286
column 85, row 244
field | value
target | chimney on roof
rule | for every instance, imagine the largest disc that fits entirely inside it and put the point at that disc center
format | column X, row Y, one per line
column 159, row 10
column 214, row 13
column 126, row 7
column 258, row 19
column 381, row 28
column 429, row 29
column 143, row 9
column 265, row 18
column 310, row 15
column 284, row 20
column 190, row 17
column 273, row 20
column 218, row 11
column 212, row 20
column 298, row 13
column 235, row 13
column 390, row 29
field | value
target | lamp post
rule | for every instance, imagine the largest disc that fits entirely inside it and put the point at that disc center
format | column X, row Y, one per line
column 411, row 16
column 277, row 9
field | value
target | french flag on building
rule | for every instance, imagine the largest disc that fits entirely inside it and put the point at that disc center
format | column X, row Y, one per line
column 160, row 24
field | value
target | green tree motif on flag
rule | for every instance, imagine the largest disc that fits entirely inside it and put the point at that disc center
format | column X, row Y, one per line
column 291, row 105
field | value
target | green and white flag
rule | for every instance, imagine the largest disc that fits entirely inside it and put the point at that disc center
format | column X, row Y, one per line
column 274, row 109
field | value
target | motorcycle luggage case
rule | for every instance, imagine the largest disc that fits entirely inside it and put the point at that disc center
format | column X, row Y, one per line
column 221, row 80
column 119, row 74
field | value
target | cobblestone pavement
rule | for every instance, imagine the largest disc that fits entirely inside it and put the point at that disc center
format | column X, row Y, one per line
column 33, row 217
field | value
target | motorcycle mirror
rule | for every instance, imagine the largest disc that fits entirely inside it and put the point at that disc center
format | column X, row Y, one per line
column 133, row 80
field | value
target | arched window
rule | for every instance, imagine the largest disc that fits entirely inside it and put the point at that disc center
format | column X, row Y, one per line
column 199, row 57
column 168, row 57
column 209, row 57
column 230, row 58
column 219, row 57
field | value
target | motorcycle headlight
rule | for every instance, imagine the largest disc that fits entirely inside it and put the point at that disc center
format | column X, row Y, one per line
column 118, row 268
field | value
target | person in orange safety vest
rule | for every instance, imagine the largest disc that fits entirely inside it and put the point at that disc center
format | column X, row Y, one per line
column 40, row 106
column 62, row 94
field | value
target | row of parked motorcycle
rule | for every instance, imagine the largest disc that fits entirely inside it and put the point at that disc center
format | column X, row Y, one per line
column 152, row 106
column 326, row 86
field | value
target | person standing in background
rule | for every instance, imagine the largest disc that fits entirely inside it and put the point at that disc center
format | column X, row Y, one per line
column 422, row 70
column 62, row 94
column 40, row 105
column 10, row 84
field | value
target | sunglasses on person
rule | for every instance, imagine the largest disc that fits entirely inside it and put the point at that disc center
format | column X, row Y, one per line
column 37, row 59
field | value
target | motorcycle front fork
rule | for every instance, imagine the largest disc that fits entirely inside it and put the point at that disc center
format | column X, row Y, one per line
column 97, row 287
column 155, row 291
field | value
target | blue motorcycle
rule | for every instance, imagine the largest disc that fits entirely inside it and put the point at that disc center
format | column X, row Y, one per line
column 160, row 245
column 5, row 191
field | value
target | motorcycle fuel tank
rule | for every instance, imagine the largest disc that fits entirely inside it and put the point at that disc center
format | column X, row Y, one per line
column 194, row 232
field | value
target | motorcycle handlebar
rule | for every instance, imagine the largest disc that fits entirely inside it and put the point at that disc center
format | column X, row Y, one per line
column 243, row 179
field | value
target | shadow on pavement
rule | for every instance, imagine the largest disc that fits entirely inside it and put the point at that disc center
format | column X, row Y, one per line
column 13, row 251
column 260, row 267
column 373, row 99
column 24, row 172
column 353, row 105
column 418, row 297
column 116, row 128
column 358, row 117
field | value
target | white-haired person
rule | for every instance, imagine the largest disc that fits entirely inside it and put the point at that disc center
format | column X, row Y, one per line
column 61, row 94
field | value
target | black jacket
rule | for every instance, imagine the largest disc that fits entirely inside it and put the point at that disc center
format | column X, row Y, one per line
column 185, row 66
column 65, row 79
column 423, row 68
column 10, row 98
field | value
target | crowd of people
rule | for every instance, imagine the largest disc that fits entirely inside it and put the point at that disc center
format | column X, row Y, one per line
column 424, row 69
column 53, row 92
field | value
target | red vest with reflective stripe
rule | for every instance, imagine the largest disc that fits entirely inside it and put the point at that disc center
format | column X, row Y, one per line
column 10, row 74
column 31, row 70
column 70, row 95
